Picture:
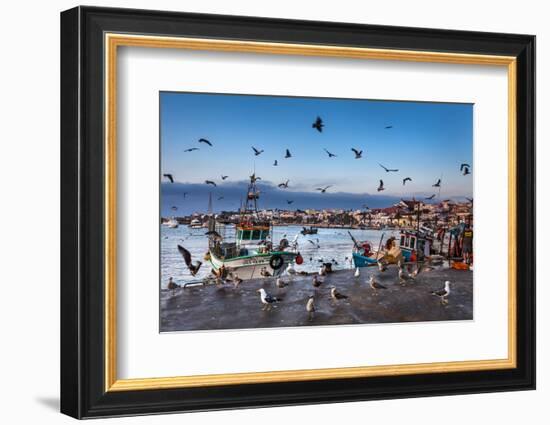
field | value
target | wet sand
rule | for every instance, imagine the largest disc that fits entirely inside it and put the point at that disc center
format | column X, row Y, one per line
column 211, row 307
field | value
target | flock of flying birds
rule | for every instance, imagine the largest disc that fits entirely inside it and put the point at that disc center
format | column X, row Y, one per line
column 318, row 125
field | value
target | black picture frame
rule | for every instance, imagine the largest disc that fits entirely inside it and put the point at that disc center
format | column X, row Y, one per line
column 83, row 392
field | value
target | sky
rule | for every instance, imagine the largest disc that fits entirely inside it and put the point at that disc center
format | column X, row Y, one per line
column 427, row 141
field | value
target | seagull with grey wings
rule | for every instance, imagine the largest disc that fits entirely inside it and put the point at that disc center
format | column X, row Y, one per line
column 336, row 295
column 330, row 154
column 358, row 153
column 375, row 286
column 323, row 189
column 193, row 268
column 267, row 299
column 389, row 170
column 257, row 151
column 318, row 125
column 206, row 142
column 444, row 293
column 310, row 307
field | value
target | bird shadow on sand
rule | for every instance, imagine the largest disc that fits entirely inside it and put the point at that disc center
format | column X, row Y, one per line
column 51, row 403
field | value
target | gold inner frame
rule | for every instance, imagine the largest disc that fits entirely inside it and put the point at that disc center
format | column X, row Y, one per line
column 113, row 41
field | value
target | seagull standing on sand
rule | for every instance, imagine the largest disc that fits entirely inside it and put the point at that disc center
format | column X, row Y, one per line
column 267, row 300
column 281, row 283
column 193, row 268
column 310, row 307
column 403, row 276
column 381, row 266
column 336, row 296
column 317, row 281
column 375, row 286
column 443, row 293
column 236, row 280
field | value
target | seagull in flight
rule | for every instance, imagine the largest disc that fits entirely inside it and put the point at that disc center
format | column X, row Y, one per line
column 323, row 189
column 437, row 183
column 466, row 171
column 191, row 149
column 389, row 170
column 406, row 179
column 169, row 177
column 443, row 293
column 193, row 268
column 429, row 198
column 275, row 163
column 210, row 182
column 330, row 155
column 388, row 127
column 381, row 186
column 207, row 142
column 267, row 299
column 284, row 185
column 224, row 177
column 318, row 124
column 288, row 154
column 357, row 153
column 256, row 151
column 289, row 202
column 220, row 198
column 464, row 165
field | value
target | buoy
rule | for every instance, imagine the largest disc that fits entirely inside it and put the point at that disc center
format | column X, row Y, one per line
column 299, row 259
column 356, row 274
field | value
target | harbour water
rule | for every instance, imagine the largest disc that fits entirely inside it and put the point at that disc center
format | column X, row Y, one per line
column 329, row 245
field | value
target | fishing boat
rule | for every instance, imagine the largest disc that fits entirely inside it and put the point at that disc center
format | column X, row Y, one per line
column 415, row 245
column 253, row 253
column 172, row 223
column 363, row 253
column 311, row 231
column 195, row 224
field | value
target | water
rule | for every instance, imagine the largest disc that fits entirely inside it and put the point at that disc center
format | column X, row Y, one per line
column 333, row 244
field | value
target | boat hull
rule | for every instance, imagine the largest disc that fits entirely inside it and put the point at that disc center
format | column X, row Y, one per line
column 251, row 267
column 362, row 261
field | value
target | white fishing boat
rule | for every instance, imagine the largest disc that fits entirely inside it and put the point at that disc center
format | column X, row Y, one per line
column 195, row 224
column 172, row 223
column 253, row 253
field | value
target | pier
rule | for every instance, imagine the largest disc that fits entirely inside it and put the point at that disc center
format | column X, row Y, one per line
column 211, row 306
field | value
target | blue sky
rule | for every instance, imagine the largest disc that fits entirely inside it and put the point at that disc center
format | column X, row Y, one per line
column 428, row 141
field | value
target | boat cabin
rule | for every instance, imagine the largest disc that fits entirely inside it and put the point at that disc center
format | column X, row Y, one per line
column 414, row 245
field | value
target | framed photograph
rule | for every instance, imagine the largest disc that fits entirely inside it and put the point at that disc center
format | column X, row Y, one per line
column 261, row 212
